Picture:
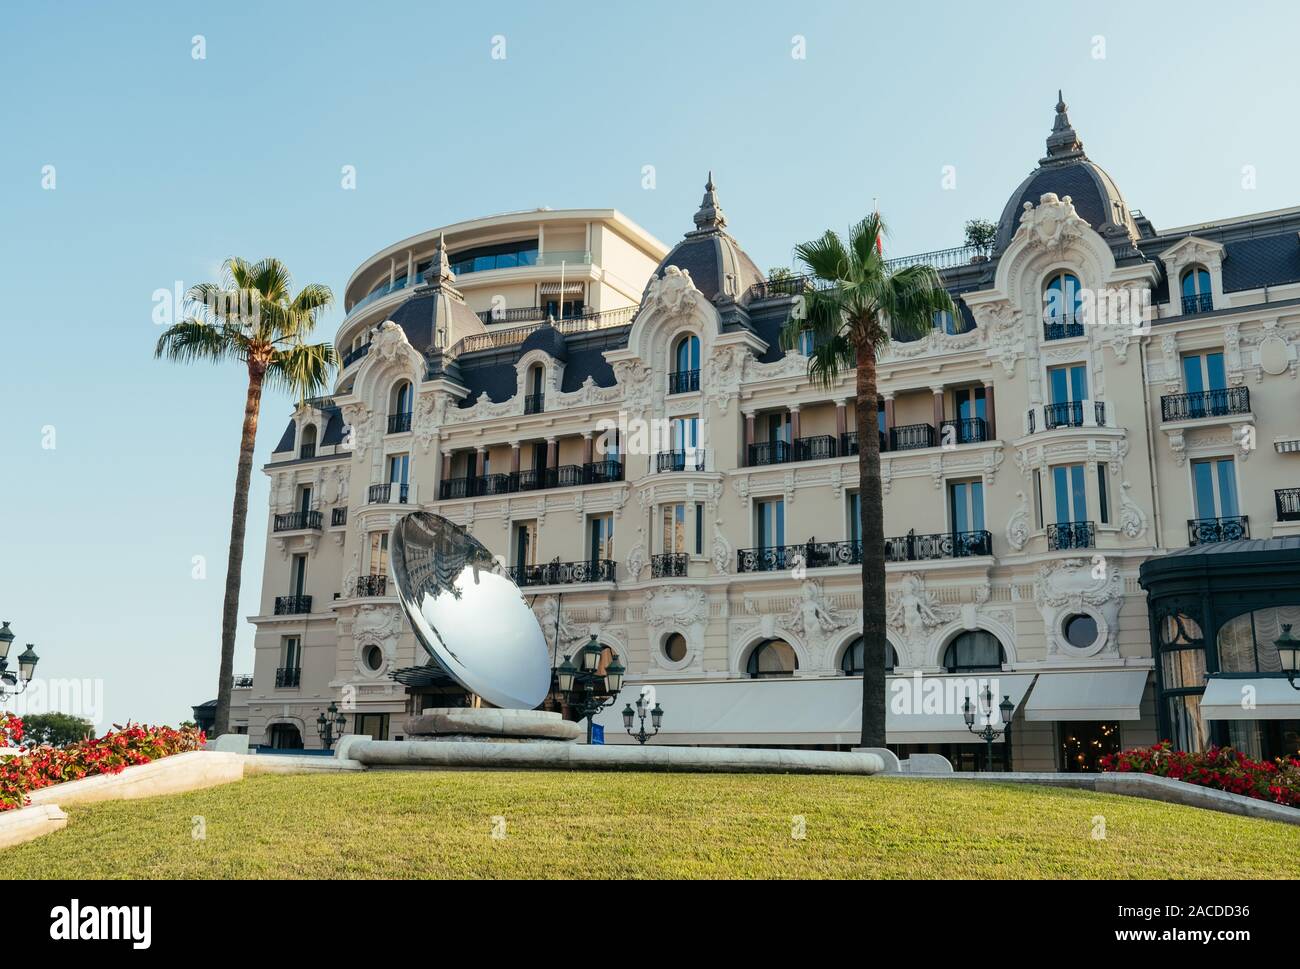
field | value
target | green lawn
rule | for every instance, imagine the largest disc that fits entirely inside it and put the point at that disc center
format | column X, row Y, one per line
column 558, row 825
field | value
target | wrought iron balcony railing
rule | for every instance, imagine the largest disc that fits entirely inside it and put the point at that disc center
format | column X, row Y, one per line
column 295, row 520
column 292, row 605
column 1067, row 535
column 1065, row 413
column 534, row 403
column 564, row 573
column 683, row 381
column 939, row 545
column 668, row 565
column 399, row 423
column 352, row 356
column 532, row 479
column 371, row 585
column 1198, row 303
column 287, row 677
column 908, row 437
column 811, row 554
column 965, row 430
column 1288, row 504
column 384, row 493
column 307, row 451
column 1206, row 531
column 1062, row 327
column 339, row 516
column 601, row 472
column 1222, row 402
column 692, row 460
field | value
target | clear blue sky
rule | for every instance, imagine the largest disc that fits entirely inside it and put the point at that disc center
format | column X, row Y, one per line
column 165, row 165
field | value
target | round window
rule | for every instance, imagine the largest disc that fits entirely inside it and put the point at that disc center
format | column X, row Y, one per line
column 675, row 647
column 373, row 657
column 1080, row 630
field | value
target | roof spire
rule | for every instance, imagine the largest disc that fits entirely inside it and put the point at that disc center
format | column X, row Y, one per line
column 1062, row 143
column 709, row 218
column 439, row 270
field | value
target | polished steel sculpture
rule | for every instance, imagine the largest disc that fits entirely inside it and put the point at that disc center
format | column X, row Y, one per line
column 471, row 618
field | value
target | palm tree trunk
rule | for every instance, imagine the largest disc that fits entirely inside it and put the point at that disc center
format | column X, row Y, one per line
column 874, row 643
column 234, row 565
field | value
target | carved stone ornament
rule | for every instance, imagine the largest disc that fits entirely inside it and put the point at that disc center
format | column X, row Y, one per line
column 1018, row 524
column 913, row 610
column 375, row 625
column 680, row 605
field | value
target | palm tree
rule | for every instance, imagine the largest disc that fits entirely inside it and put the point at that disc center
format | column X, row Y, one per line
column 852, row 306
column 251, row 317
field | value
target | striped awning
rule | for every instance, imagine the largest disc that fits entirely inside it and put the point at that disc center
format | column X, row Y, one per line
column 570, row 289
column 1286, row 445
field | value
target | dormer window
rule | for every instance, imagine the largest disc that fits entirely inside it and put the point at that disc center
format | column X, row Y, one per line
column 308, row 447
column 535, row 400
column 1062, row 306
column 1196, row 291
column 806, row 342
column 685, row 376
column 400, row 407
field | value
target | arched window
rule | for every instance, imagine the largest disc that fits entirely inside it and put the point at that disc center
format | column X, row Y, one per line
column 852, row 663
column 1196, row 290
column 1062, row 297
column 687, row 355
column 1245, row 644
column 308, row 447
column 975, row 651
column 534, row 399
column 772, row 658
column 403, row 398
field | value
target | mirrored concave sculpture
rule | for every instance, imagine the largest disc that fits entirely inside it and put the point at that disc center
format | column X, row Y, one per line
column 470, row 618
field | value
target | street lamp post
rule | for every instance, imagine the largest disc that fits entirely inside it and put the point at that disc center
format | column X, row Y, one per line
column 989, row 733
column 327, row 721
column 582, row 685
column 1288, row 650
column 27, row 661
column 656, row 719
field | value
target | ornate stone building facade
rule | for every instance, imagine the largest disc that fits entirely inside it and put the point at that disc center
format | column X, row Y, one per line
column 655, row 470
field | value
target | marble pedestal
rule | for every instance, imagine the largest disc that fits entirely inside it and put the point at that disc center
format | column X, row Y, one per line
column 495, row 726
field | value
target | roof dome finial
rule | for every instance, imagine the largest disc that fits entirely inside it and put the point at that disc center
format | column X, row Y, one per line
column 1062, row 143
column 710, row 218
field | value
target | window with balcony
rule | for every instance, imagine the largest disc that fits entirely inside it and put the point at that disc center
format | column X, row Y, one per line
column 1214, row 491
column 769, row 523
column 298, row 576
column 525, row 544
column 288, row 674
column 1062, row 307
column 400, row 405
column 966, row 506
column 853, row 503
column 399, row 476
column 685, row 376
column 684, row 441
column 1068, row 388
column 535, row 399
column 1197, row 297
column 971, row 423
column 307, row 449
column 600, row 537
column 1072, row 528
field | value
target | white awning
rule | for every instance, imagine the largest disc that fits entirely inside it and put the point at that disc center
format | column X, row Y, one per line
column 828, row 710
column 570, row 289
column 1085, row 695
column 1250, row 698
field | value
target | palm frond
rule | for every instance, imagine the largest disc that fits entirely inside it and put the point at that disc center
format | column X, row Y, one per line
column 302, row 369
column 194, row 340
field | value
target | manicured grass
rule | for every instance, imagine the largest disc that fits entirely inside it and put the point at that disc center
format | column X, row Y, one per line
column 440, row 824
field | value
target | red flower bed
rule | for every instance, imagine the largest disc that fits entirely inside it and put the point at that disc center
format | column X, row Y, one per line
column 121, row 747
column 1222, row 768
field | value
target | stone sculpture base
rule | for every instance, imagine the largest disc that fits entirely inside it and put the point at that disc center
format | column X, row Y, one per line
column 496, row 726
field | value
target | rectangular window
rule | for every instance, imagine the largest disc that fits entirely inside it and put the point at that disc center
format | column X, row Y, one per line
column 372, row 725
column 1071, row 498
column 854, row 530
column 685, row 433
column 399, row 468
column 1103, row 496
column 778, row 428
column 1204, row 371
column 1038, row 499
column 673, row 529
column 699, row 529
column 525, row 543
column 290, row 653
column 601, row 537
column 770, row 522
column 379, row 553
column 298, row 575
column 966, row 506
column 1215, row 486
column 1068, row 383
column 304, row 499
column 969, row 402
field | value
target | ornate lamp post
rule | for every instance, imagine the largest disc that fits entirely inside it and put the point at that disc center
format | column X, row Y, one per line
column 584, row 688
column 1288, row 649
column 27, row 661
column 989, row 733
column 656, row 719
column 327, row 721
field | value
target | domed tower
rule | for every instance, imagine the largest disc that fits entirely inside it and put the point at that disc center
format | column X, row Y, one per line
column 719, row 268
column 436, row 315
column 1066, row 170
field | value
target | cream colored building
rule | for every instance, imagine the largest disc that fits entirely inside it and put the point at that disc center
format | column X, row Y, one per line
column 656, row 471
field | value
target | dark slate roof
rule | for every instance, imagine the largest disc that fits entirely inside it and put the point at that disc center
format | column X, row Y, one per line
column 1066, row 170
column 710, row 254
column 494, row 372
column 547, row 339
column 1255, row 263
column 418, row 317
column 496, row 379
column 1282, row 545
column 333, row 427
column 286, row 439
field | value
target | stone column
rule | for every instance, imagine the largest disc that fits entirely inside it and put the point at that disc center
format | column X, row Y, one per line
column 587, row 447
column 794, row 424
column 514, row 457
column 446, row 467
column 552, row 452
column 750, row 418
column 841, row 418
column 938, row 408
column 990, row 412
column 480, row 465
